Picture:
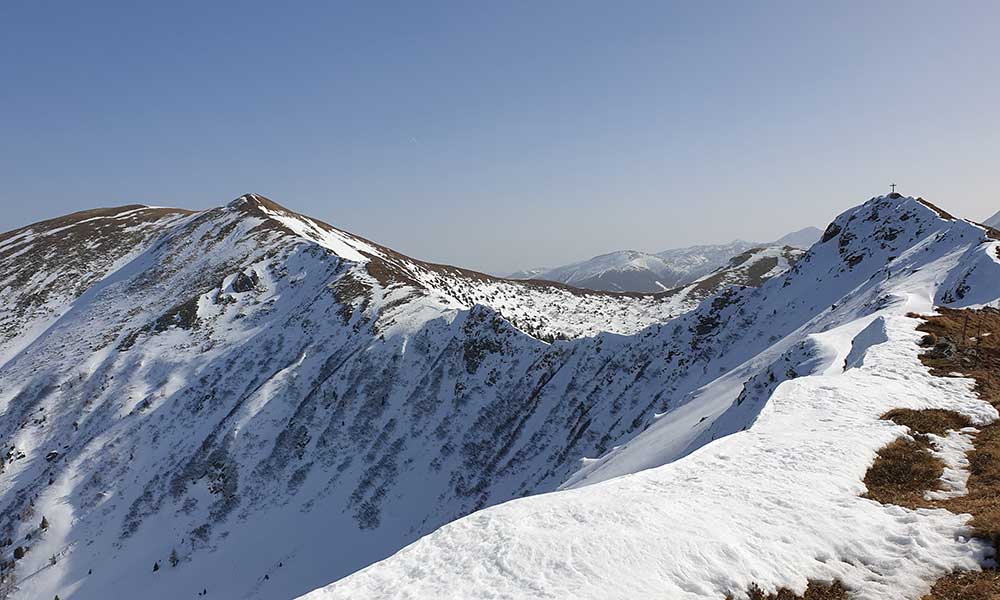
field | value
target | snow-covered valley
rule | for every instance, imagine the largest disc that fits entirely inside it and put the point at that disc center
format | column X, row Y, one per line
column 248, row 403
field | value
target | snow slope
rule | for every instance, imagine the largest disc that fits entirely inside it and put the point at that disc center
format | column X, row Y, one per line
column 49, row 264
column 756, row 474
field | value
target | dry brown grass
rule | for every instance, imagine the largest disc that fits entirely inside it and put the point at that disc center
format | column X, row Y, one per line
column 905, row 469
column 940, row 211
column 902, row 472
column 815, row 591
column 965, row 585
column 933, row 420
column 975, row 355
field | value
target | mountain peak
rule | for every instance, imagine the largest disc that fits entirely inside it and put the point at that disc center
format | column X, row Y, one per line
column 257, row 201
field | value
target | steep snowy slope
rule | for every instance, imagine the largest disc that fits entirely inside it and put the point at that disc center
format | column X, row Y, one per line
column 792, row 377
column 47, row 265
column 630, row 270
column 993, row 221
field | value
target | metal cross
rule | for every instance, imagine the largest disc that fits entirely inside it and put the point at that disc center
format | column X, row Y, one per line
column 893, row 187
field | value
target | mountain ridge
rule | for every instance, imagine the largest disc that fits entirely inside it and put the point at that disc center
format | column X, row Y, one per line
column 247, row 384
column 760, row 439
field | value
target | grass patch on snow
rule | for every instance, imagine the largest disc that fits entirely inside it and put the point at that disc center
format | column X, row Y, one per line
column 815, row 591
column 903, row 471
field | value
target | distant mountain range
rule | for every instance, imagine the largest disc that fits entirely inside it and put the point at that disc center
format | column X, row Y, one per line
column 634, row 271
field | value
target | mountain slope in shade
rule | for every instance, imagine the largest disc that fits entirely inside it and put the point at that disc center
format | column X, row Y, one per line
column 631, row 270
column 752, row 472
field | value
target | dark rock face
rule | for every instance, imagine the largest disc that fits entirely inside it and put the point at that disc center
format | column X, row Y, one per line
column 943, row 349
column 244, row 282
column 831, row 232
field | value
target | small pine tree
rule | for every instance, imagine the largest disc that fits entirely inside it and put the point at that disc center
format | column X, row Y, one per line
column 173, row 557
column 44, row 524
column 156, row 566
column 19, row 553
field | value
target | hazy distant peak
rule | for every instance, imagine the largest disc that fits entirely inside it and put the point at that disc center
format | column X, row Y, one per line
column 803, row 238
column 993, row 221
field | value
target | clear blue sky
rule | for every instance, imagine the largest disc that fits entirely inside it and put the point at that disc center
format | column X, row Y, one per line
column 502, row 135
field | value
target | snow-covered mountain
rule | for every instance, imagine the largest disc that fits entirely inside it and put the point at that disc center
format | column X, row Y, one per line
column 227, row 391
column 634, row 271
column 766, row 416
column 248, row 403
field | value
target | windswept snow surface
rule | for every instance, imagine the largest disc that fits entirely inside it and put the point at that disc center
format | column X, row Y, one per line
column 755, row 476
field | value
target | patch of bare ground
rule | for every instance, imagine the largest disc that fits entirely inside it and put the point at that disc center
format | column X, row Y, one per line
column 815, row 591
column 981, row 585
column 906, row 468
column 966, row 585
column 940, row 211
column 932, row 420
column 903, row 471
